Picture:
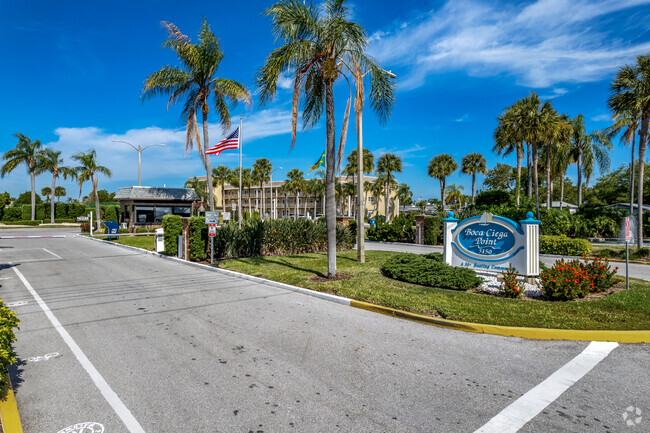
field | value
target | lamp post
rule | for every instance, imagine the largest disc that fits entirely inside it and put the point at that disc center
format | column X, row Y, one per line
column 274, row 207
column 139, row 149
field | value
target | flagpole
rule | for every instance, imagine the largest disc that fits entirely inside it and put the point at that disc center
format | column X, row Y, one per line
column 241, row 143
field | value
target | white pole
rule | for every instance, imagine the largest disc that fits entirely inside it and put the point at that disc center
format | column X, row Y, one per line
column 241, row 142
column 91, row 223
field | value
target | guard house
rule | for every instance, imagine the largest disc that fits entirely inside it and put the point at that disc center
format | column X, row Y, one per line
column 146, row 205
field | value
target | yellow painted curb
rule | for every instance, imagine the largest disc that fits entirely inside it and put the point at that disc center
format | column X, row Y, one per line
column 9, row 411
column 512, row 331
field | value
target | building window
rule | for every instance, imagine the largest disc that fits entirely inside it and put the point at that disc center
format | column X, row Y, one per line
column 183, row 211
column 144, row 214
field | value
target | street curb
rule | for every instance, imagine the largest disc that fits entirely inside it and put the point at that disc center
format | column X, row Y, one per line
column 506, row 331
column 9, row 411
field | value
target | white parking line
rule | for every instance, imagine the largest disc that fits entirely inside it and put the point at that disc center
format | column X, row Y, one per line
column 526, row 407
column 111, row 397
column 48, row 251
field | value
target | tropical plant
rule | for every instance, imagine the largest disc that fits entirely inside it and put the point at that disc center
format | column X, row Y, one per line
column 90, row 170
column 195, row 81
column 508, row 138
column 59, row 192
column 247, row 182
column 404, row 195
column 316, row 188
column 296, row 186
column 558, row 140
column 352, row 169
column 455, row 193
column 317, row 43
column 626, row 123
column 199, row 186
column 46, row 191
column 220, row 176
column 25, row 152
column 262, row 169
column 475, row 163
column 631, row 93
column 50, row 160
column 386, row 165
column 440, row 167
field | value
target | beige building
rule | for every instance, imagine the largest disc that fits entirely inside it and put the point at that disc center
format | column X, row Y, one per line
column 276, row 204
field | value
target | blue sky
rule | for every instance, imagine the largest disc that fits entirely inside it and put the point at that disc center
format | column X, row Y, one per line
column 73, row 71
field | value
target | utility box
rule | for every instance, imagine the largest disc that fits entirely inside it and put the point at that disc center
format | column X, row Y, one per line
column 160, row 240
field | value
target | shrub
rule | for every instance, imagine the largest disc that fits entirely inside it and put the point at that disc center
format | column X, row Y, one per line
column 198, row 239
column 8, row 321
column 75, row 210
column 511, row 287
column 426, row 271
column 122, row 230
column 61, row 210
column 26, row 212
column 555, row 222
column 563, row 246
column 432, row 230
column 640, row 253
column 574, row 279
column 12, row 213
column 111, row 213
column 601, row 275
column 65, row 220
column 399, row 230
column 608, row 252
column 22, row 223
column 142, row 230
column 173, row 229
column 493, row 197
column 85, row 226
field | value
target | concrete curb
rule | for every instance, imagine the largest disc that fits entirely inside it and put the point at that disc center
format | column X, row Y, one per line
column 507, row 331
column 9, row 411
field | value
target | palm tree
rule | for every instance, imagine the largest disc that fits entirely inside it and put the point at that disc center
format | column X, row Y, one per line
column 89, row 170
column 50, row 160
column 455, row 193
column 475, row 163
column 376, row 189
column 404, row 194
column 262, row 169
column 195, row 81
column 587, row 149
column 626, row 122
column 631, row 93
column 296, row 181
column 387, row 164
column 247, row 182
column 352, row 168
column 220, row 176
column 440, row 167
column 46, row 191
column 508, row 138
column 318, row 42
column 25, row 152
column 559, row 138
column 316, row 188
column 59, row 192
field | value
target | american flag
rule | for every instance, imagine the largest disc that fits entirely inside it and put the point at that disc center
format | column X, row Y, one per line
column 230, row 142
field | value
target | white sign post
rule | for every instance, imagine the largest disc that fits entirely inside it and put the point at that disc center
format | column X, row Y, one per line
column 212, row 219
column 628, row 238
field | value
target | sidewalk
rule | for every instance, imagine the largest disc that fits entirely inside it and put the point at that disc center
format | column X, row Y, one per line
column 636, row 270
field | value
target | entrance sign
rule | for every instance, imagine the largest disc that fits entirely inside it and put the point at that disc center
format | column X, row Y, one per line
column 492, row 243
column 212, row 218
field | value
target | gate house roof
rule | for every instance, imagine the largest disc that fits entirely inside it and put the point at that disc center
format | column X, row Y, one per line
column 154, row 193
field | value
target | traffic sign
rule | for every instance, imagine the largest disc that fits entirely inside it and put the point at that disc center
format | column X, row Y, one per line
column 628, row 234
column 212, row 230
column 226, row 216
column 212, row 217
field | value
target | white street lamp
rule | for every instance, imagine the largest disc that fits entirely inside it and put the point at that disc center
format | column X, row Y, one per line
column 139, row 149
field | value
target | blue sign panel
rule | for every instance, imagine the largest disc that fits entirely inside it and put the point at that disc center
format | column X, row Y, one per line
column 486, row 239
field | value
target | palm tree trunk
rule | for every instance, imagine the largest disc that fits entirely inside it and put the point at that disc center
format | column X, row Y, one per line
column 579, row 163
column 206, row 160
column 263, row 204
column 473, row 186
column 520, row 151
column 386, row 195
column 529, row 188
column 632, row 174
column 561, row 191
column 549, row 185
column 97, row 214
column 643, row 137
column 535, row 179
column 32, row 176
column 442, row 193
column 52, row 200
column 330, row 167
column 297, row 208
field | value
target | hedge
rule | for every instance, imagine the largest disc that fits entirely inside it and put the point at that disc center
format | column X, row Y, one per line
column 563, row 245
column 173, row 227
column 429, row 271
column 198, row 239
column 8, row 321
column 432, row 230
column 22, row 223
column 110, row 213
column 26, row 212
column 401, row 229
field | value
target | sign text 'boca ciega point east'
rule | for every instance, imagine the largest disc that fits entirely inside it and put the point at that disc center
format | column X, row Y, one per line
column 492, row 243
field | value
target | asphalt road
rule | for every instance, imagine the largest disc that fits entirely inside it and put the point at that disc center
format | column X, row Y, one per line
column 132, row 342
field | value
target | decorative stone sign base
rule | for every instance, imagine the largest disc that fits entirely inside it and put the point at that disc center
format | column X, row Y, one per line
column 492, row 243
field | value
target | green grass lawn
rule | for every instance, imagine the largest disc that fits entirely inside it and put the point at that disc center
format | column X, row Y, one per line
column 625, row 310
column 144, row 242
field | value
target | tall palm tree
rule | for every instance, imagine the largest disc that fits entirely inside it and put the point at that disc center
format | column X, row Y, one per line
column 387, row 164
column 559, row 138
column 455, row 193
column 196, row 82
column 317, row 44
column 316, row 188
column 352, row 169
column 90, row 170
column 588, row 149
column 247, row 182
column 440, row 167
column 626, row 123
column 262, row 169
column 631, row 93
column 59, row 192
column 404, row 194
column 25, row 152
column 509, row 137
column 296, row 180
column 50, row 160
column 220, row 176
column 473, row 163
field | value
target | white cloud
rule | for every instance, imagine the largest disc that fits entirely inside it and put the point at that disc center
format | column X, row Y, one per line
column 605, row 117
column 543, row 44
column 160, row 165
column 285, row 81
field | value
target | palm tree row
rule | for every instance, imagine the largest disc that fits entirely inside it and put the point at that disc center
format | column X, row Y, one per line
column 444, row 165
column 39, row 160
